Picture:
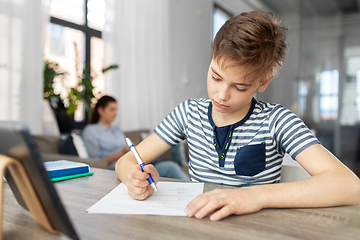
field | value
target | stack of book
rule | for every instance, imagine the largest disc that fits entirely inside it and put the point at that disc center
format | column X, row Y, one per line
column 63, row 169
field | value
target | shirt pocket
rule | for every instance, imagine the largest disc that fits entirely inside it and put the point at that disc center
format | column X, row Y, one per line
column 250, row 160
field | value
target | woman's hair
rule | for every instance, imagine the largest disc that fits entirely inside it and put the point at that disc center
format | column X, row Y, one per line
column 102, row 102
column 254, row 40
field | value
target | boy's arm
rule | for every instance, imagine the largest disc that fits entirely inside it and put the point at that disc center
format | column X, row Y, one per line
column 331, row 184
column 129, row 172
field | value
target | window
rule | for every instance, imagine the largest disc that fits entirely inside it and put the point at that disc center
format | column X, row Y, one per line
column 329, row 89
column 75, row 39
column 353, row 80
column 303, row 91
column 220, row 16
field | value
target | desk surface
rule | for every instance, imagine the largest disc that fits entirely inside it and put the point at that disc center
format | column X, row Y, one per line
column 79, row 194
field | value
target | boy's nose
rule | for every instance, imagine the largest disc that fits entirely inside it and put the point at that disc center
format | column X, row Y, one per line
column 223, row 94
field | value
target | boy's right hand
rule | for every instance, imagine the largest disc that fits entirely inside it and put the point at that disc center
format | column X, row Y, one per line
column 137, row 183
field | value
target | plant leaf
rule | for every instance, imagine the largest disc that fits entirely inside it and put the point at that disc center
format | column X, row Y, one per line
column 114, row 66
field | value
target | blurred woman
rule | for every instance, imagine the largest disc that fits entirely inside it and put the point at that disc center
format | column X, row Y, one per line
column 107, row 141
column 102, row 139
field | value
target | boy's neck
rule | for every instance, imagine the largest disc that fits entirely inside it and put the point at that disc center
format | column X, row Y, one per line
column 225, row 119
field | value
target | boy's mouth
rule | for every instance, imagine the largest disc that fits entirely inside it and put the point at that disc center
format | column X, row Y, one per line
column 220, row 105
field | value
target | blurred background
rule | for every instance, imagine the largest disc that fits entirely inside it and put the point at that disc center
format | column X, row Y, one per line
column 57, row 57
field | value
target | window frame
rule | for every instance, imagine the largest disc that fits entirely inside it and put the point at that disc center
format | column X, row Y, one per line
column 84, row 28
column 215, row 7
column 88, row 33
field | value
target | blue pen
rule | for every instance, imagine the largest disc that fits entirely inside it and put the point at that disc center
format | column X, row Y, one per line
column 140, row 162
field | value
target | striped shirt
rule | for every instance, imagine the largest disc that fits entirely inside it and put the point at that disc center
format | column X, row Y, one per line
column 254, row 147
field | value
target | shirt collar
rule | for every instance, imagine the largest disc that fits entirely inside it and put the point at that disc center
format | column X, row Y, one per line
column 239, row 123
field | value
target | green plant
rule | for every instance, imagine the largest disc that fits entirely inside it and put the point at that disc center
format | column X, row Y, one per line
column 52, row 70
column 82, row 91
column 69, row 103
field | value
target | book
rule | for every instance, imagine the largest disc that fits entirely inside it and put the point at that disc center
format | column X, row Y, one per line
column 58, row 179
column 61, row 168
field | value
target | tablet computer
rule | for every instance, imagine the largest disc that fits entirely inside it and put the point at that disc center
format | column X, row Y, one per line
column 16, row 142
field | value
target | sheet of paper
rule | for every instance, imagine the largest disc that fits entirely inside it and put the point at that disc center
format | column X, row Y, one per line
column 170, row 200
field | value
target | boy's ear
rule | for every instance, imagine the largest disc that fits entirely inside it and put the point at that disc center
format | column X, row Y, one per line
column 265, row 83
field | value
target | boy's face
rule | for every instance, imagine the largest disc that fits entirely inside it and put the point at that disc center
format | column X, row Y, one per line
column 230, row 92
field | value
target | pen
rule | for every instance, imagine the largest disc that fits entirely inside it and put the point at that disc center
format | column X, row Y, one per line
column 140, row 162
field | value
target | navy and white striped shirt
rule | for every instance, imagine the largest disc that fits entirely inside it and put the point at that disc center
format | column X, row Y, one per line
column 254, row 147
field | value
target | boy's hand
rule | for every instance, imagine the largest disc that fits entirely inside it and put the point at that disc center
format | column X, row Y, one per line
column 227, row 201
column 137, row 183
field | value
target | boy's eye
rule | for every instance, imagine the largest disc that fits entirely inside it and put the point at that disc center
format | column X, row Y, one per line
column 240, row 90
column 215, row 78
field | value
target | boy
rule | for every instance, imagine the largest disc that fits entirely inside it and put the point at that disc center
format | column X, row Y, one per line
column 236, row 140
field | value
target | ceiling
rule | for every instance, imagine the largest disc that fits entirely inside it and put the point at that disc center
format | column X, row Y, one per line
column 314, row 7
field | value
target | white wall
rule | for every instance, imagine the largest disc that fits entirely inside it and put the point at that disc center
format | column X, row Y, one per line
column 190, row 44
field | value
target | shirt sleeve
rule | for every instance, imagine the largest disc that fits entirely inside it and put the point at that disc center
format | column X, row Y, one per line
column 120, row 138
column 290, row 132
column 90, row 139
column 173, row 128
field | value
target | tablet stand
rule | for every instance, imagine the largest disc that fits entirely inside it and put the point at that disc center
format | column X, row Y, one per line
column 26, row 190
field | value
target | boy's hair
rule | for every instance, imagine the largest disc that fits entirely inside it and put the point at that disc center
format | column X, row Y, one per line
column 254, row 40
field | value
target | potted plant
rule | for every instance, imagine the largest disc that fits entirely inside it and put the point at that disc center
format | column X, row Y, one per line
column 64, row 117
column 65, row 107
column 52, row 70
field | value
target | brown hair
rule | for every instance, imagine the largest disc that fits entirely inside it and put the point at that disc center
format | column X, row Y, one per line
column 102, row 102
column 255, row 40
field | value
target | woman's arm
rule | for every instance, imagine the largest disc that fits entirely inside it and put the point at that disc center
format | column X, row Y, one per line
column 129, row 171
column 331, row 184
column 115, row 156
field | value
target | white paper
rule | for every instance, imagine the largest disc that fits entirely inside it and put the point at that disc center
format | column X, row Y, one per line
column 170, row 200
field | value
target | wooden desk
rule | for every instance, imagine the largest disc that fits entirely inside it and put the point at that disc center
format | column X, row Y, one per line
column 79, row 194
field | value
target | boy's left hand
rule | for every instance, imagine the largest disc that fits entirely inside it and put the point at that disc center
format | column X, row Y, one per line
column 228, row 201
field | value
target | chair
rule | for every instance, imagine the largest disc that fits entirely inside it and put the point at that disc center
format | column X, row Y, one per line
column 292, row 170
